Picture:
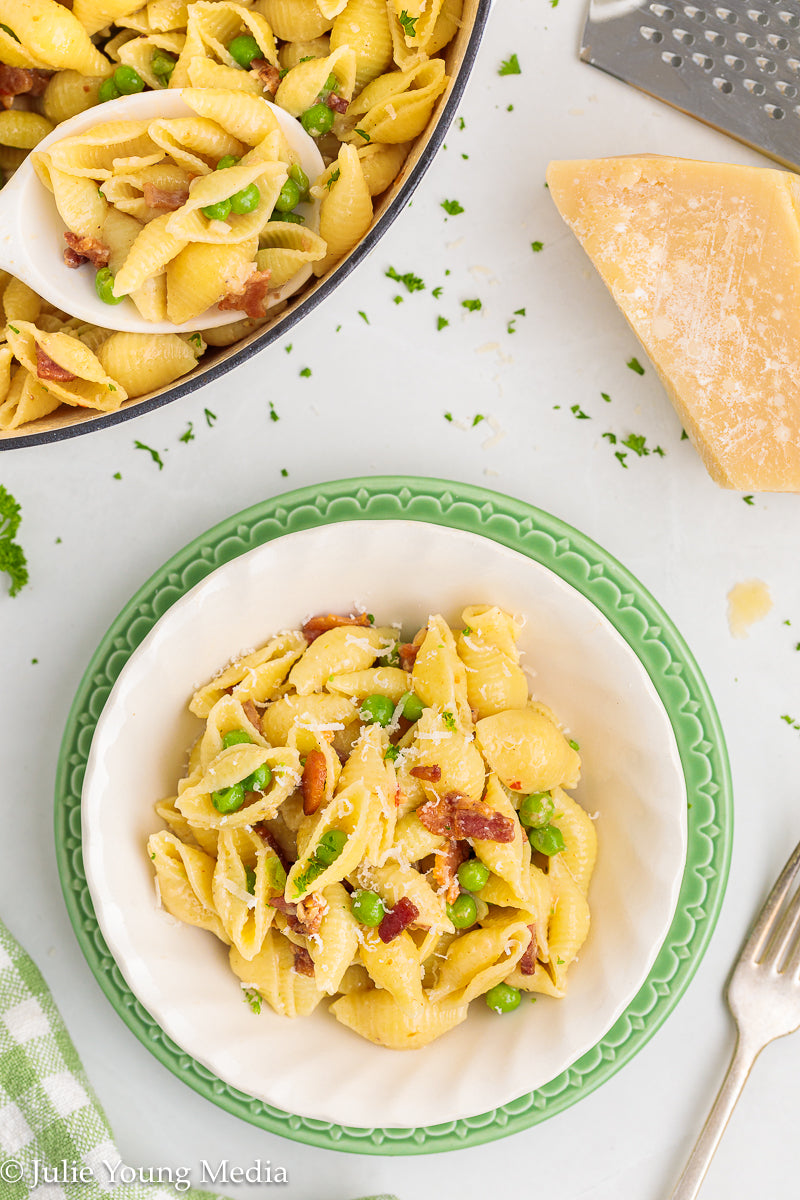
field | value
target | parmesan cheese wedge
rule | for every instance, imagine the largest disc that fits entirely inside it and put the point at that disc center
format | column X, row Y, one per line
column 703, row 259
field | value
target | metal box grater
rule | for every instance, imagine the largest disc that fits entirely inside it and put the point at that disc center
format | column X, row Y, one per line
column 735, row 65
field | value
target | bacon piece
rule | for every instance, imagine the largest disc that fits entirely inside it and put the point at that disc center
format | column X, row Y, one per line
column 431, row 774
column 404, row 913
column 252, row 299
column 268, row 76
column 303, row 962
column 168, row 199
column 322, row 622
column 408, row 655
column 89, row 249
column 46, row 368
column 20, row 81
column 315, row 774
column 310, row 912
column 252, row 714
column 527, row 964
column 336, row 103
column 445, row 868
column 456, row 816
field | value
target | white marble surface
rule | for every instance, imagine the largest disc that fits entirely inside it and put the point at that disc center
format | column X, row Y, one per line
column 375, row 403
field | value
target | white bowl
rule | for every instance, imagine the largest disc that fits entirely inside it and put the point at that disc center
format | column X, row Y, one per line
column 580, row 666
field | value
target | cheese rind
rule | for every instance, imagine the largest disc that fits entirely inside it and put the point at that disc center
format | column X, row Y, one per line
column 703, row 259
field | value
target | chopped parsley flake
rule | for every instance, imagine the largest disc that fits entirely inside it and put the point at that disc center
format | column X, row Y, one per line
column 188, row 436
column 412, row 282
column 748, row 499
column 441, row 323
column 12, row 556
column 636, row 366
column 334, row 175
column 465, row 156
column 462, row 123
column 612, row 437
column 288, row 348
column 519, row 312
column 537, row 246
column 116, row 475
column 791, row 721
column 363, row 316
column 621, row 455
column 253, row 998
column 636, row 443
column 398, row 299
column 510, row 66
column 408, row 23
column 13, row 329
column 452, row 207
column 156, row 457
column 574, row 745
column 448, row 416
column 391, row 753
column 471, row 305
column 510, row 108
column 449, row 720
column 284, row 472
column 210, row 417
column 578, row 413
column 605, row 396
column 476, row 420
column 273, row 412
column 196, row 341
column 510, row 326
column 684, row 436
column 306, row 372
column 363, row 133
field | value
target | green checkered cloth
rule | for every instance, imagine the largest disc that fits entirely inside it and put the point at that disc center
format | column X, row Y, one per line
column 55, row 1141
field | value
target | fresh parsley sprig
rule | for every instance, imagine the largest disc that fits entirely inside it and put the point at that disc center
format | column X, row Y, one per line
column 12, row 556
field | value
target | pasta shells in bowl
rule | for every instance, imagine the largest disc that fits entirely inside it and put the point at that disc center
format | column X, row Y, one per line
column 553, row 704
column 376, row 88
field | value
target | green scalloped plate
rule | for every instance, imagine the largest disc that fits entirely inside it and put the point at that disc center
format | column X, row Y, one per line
column 616, row 594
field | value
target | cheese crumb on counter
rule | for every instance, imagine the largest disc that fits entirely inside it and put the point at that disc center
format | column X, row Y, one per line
column 748, row 602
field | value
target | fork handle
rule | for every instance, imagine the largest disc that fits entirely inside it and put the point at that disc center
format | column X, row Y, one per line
column 694, row 1172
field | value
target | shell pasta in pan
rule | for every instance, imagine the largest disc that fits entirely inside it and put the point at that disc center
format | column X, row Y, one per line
column 382, row 826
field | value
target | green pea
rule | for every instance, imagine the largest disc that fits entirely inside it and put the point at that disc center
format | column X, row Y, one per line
column 108, row 90
column 288, row 197
column 413, row 708
column 297, row 173
column 464, row 912
column 503, row 998
column 217, row 212
column 227, row 160
column 473, row 875
column 10, row 32
column 548, row 840
column 293, row 218
column 128, row 80
column 330, row 846
column 537, row 809
column 243, row 49
column 317, row 120
column 235, row 737
column 104, row 286
column 250, row 878
column 229, row 799
column 377, row 709
column 259, row 780
column 246, row 200
column 162, row 64
column 367, row 908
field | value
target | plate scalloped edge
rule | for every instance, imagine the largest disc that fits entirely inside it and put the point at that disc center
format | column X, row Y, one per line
column 620, row 598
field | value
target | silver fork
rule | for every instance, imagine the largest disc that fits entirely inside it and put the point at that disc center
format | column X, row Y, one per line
column 764, row 996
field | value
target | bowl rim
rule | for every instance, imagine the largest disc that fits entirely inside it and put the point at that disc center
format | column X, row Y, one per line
column 631, row 610
column 273, row 332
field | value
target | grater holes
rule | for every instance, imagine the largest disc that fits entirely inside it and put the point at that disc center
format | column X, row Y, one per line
column 794, row 63
column 747, row 40
column 778, row 43
column 695, row 14
column 789, row 18
column 726, row 15
column 716, row 39
column 722, row 85
column 651, row 35
column 786, row 89
column 702, row 60
column 760, row 18
column 662, row 11
column 766, row 65
column 754, row 87
column 773, row 111
column 683, row 36
column 672, row 60
column 736, row 64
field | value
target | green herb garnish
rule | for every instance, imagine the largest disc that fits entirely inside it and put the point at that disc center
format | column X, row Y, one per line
column 510, row 66
column 537, row 246
column 156, row 457
column 636, row 366
column 12, row 556
column 441, row 323
column 188, row 436
column 452, row 207
column 471, row 305
column 449, row 720
column 412, row 282
column 408, row 23
column 306, row 372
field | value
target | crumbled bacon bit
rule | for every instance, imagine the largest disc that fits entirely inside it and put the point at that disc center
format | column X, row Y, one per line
column 336, row 103
column 445, row 867
column 315, row 775
column 46, row 368
column 516, row 786
column 408, row 655
column 527, row 964
column 303, row 962
column 253, row 715
column 431, row 774
column 321, row 623
column 404, row 913
column 19, row 81
column 310, row 912
column 73, row 259
column 268, row 76
column 89, row 249
column 168, row 199
column 252, row 299
column 457, row 816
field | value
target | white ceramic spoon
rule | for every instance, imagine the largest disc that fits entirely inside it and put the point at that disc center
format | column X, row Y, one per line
column 32, row 232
